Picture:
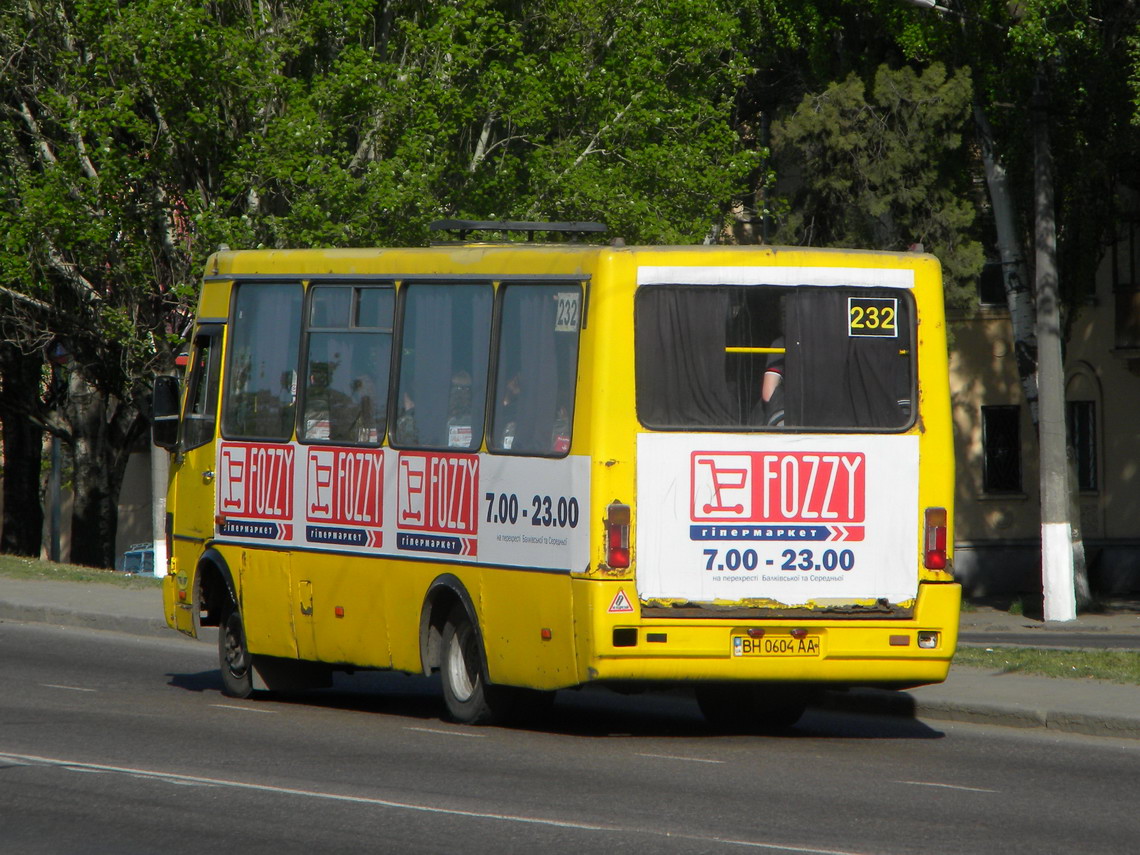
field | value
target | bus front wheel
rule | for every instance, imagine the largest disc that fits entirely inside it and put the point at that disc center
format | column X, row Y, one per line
column 234, row 658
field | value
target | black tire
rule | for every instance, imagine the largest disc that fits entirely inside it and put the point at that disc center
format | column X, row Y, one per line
column 466, row 693
column 751, row 708
column 469, row 698
column 234, row 658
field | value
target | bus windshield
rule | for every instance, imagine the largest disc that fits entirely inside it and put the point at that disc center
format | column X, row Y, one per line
column 759, row 357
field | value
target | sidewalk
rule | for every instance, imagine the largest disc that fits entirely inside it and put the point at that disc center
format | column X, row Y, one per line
column 969, row 694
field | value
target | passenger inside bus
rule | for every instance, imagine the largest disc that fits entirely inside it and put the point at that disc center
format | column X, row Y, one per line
column 507, row 412
column 404, row 433
column 459, row 411
column 770, row 408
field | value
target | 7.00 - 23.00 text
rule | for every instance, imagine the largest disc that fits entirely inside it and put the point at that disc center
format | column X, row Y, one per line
column 749, row 560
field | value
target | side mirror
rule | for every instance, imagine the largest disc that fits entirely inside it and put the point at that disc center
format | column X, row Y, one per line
column 164, row 424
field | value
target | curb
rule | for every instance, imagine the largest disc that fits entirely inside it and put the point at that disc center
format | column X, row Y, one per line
column 150, row 627
column 904, row 705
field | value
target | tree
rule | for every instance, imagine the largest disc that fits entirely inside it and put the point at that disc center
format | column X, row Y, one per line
column 888, row 171
column 137, row 135
column 563, row 109
column 97, row 158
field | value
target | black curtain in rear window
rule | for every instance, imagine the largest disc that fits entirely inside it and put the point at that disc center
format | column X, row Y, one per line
column 836, row 379
column 681, row 359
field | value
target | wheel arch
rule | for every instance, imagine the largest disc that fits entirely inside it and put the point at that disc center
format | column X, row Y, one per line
column 215, row 585
column 444, row 593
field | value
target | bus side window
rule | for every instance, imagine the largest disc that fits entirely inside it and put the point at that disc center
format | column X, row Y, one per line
column 348, row 350
column 537, row 368
column 201, row 415
column 261, row 380
column 442, row 386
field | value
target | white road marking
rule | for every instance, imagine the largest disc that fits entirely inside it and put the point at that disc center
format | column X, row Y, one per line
column 947, row 786
column 412, row 806
column 447, row 732
column 67, row 688
column 243, row 709
column 678, row 757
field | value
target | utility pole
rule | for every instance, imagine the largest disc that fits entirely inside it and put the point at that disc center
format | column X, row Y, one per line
column 1057, row 579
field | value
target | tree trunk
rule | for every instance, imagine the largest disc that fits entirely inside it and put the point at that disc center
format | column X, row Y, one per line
column 1058, row 540
column 1015, row 277
column 23, row 453
column 103, row 432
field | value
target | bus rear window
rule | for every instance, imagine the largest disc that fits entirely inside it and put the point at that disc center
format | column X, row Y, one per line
column 770, row 358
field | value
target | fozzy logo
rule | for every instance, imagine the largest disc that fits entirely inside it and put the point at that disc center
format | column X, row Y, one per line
column 822, row 488
column 438, row 492
column 345, row 486
column 256, row 480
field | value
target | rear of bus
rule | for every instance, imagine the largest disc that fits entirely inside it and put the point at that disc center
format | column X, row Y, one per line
column 793, row 478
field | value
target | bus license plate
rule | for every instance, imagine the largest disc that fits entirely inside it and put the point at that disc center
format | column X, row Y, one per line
column 744, row 646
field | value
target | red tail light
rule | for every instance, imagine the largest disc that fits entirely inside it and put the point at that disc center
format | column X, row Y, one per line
column 617, row 535
column 934, row 540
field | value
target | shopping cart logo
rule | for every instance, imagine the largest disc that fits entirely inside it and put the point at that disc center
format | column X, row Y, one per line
column 721, row 486
column 413, row 471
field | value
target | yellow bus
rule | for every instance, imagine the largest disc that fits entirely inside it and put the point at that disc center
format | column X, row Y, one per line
column 535, row 465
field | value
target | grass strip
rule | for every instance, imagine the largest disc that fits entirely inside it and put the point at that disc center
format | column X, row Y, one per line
column 16, row 567
column 1117, row 666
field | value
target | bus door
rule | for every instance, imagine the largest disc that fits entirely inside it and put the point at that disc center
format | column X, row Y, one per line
column 192, row 500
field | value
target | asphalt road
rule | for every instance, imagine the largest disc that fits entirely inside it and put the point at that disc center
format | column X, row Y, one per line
column 121, row 744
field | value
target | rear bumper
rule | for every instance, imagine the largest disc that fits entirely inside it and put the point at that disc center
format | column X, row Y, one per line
column 837, row 650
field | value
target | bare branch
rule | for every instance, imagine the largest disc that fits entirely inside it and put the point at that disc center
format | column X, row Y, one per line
column 591, row 147
column 81, row 148
column 34, row 127
column 71, row 274
column 481, row 146
column 26, row 299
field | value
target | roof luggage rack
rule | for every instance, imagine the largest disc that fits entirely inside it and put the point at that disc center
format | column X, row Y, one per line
column 466, row 226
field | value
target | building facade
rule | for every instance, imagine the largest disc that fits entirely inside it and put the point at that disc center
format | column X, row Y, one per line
column 997, row 541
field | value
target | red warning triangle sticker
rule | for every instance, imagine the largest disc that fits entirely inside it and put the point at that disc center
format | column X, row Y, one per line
column 621, row 603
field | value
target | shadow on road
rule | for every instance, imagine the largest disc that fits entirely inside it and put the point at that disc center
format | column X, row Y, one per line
column 592, row 712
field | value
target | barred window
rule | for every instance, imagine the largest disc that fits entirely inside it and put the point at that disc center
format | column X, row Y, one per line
column 1082, row 434
column 1001, row 445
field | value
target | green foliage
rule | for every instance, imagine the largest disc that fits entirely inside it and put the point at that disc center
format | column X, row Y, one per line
column 1077, row 61
column 885, row 169
column 139, row 135
column 575, row 109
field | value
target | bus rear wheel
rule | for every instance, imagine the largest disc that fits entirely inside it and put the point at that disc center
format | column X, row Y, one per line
column 469, row 699
column 234, row 658
column 751, row 708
